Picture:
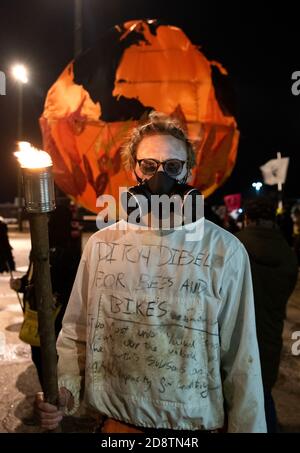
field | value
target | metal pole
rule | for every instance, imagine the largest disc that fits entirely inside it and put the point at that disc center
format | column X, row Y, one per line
column 20, row 133
column 279, row 188
column 20, row 110
column 78, row 28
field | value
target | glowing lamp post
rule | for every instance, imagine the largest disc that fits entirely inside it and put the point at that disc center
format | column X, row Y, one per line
column 39, row 201
column 20, row 74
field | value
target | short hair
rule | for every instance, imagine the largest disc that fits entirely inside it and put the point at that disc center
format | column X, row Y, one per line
column 156, row 124
column 261, row 208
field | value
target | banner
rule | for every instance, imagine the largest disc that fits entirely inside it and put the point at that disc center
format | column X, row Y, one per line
column 233, row 202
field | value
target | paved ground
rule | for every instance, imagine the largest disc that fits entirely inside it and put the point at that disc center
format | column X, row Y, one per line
column 19, row 383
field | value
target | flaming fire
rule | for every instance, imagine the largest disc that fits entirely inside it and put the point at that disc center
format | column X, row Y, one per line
column 30, row 157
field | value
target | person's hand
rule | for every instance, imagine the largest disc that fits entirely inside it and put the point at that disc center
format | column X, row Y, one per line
column 15, row 284
column 48, row 415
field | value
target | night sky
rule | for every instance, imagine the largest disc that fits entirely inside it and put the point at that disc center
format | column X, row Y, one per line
column 258, row 45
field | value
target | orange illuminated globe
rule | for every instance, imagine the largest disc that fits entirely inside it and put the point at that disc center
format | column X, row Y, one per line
column 135, row 68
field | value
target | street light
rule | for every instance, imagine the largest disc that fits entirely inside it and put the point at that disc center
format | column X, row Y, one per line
column 257, row 185
column 20, row 74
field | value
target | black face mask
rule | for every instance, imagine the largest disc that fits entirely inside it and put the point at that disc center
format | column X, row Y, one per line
column 160, row 183
column 139, row 197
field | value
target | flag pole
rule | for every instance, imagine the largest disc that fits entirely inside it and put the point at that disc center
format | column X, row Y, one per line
column 279, row 188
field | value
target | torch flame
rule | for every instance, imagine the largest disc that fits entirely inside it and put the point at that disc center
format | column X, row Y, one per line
column 30, row 157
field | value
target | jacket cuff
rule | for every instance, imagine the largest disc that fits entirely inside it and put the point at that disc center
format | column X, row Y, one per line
column 73, row 384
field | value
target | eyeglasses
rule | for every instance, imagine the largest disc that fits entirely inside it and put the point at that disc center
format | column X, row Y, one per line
column 173, row 167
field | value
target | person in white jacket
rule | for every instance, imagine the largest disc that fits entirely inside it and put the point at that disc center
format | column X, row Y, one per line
column 159, row 332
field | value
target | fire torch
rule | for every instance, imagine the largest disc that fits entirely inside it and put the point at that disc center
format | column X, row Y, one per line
column 39, row 197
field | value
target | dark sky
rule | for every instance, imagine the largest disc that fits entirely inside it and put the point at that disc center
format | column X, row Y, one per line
column 258, row 44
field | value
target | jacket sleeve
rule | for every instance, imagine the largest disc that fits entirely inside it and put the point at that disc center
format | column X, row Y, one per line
column 240, row 363
column 71, row 343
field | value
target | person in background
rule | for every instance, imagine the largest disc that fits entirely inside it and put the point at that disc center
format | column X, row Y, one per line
column 7, row 263
column 274, row 274
column 285, row 223
column 295, row 216
column 210, row 214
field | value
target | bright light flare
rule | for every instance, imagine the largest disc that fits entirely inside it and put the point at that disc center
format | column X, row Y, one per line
column 257, row 185
column 20, row 73
column 30, row 157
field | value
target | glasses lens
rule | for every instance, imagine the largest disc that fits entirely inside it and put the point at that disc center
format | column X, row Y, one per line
column 173, row 167
column 148, row 166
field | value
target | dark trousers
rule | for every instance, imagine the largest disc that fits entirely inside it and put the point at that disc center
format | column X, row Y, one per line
column 37, row 360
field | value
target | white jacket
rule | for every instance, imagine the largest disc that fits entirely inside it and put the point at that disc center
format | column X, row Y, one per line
column 160, row 330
